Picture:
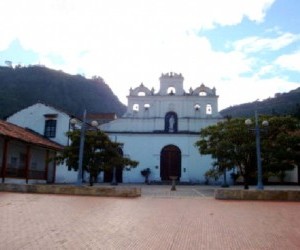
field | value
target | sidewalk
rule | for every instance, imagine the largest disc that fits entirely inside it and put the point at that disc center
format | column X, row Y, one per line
column 188, row 218
column 195, row 191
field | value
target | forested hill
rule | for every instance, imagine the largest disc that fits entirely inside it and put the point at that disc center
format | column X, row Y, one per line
column 281, row 104
column 21, row 87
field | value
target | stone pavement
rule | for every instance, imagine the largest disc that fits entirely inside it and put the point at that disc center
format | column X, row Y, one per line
column 189, row 218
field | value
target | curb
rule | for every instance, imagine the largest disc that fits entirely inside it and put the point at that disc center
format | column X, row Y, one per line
column 72, row 190
column 260, row 195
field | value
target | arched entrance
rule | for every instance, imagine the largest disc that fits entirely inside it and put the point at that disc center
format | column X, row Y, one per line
column 170, row 162
column 108, row 174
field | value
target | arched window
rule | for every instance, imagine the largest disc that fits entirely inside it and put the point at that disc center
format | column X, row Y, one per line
column 141, row 93
column 135, row 107
column 208, row 109
column 197, row 107
column 171, row 91
column 171, row 122
column 202, row 93
column 147, row 106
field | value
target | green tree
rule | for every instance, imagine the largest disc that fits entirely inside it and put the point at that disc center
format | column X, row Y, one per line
column 232, row 144
column 100, row 153
column 281, row 146
column 228, row 144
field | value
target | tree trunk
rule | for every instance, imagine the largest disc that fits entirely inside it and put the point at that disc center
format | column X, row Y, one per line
column 246, row 181
column 91, row 180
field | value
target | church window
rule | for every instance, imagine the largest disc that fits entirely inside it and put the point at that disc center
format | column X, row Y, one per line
column 141, row 93
column 171, row 91
column 135, row 107
column 202, row 93
column 146, row 106
column 208, row 109
column 197, row 107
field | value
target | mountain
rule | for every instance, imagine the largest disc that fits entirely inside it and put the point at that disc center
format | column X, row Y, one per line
column 281, row 104
column 21, row 87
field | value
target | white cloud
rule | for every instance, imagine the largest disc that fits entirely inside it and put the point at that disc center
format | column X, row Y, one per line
column 244, row 90
column 192, row 56
column 264, row 70
column 69, row 26
column 134, row 41
column 290, row 61
column 256, row 44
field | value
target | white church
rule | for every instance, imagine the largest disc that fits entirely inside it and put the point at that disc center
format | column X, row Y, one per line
column 159, row 130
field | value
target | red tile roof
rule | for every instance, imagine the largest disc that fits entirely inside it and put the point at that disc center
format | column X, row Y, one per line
column 100, row 116
column 15, row 132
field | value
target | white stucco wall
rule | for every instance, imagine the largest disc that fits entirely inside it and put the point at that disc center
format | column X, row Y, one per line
column 146, row 131
column 292, row 175
column 146, row 149
column 63, row 175
column 33, row 117
column 183, row 105
column 126, row 124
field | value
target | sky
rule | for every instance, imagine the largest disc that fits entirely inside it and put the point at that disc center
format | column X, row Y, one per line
column 246, row 49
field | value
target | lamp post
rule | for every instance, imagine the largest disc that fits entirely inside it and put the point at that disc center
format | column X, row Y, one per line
column 257, row 129
column 81, row 145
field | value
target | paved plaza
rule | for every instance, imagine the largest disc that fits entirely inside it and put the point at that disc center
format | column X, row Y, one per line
column 189, row 218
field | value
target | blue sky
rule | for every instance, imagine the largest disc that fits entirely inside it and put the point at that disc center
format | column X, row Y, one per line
column 247, row 49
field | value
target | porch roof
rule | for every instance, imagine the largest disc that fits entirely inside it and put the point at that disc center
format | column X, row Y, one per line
column 15, row 132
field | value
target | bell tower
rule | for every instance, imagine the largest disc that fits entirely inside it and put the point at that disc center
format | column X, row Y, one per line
column 171, row 84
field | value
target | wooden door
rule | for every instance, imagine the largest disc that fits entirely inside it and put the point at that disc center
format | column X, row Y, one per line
column 170, row 162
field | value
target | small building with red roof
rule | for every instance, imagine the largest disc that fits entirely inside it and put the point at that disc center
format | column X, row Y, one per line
column 26, row 155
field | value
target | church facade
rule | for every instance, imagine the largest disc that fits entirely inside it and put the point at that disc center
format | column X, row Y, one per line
column 159, row 130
